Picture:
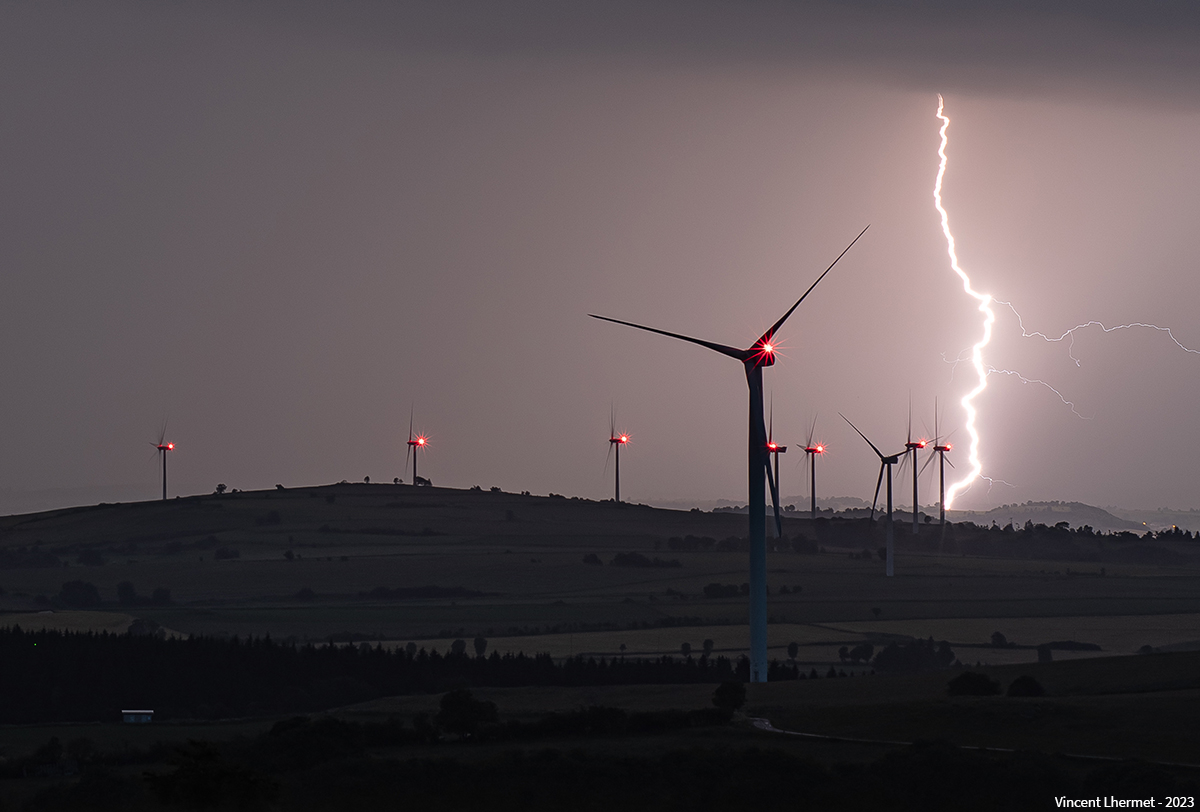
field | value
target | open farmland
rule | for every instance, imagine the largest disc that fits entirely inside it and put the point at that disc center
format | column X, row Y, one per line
column 396, row 564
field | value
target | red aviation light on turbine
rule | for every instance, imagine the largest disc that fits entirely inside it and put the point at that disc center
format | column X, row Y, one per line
column 776, row 448
column 420, row 441
column 619, row 439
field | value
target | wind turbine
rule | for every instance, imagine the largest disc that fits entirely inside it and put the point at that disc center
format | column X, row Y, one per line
column 615, row 441
column 940, row 448
column 163, row 447
column 811, row 451
column 760, row 354
column 416, row 443
column 913, row 447
column 885, row 462
column 774, row 449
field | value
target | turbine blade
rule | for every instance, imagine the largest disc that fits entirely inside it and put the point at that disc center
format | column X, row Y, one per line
column 928, row 460
column 903, row 463
column 878, row 483
column 612, row 423
column 410, row 423
column 811, row 431
column 608, row 458
column 774, row 499
column 909, row 440
column 771, row 427
column 767, row 336
column 860, row 434
column 732, row 352
column 950, row 463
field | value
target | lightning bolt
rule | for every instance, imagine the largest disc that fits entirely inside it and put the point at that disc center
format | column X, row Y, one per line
column 983, row 370
column 989, row 318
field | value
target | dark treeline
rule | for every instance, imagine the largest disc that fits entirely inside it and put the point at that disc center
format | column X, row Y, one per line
column 50, row 676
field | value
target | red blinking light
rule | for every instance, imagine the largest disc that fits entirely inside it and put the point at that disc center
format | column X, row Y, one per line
column 820, row 449
column 170, row 446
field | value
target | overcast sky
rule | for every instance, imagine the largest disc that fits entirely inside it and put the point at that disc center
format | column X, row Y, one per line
column 280, row 226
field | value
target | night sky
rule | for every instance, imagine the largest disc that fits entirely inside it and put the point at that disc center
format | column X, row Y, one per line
column 279, row 227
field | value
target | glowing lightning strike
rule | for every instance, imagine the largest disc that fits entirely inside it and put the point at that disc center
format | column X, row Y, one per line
column 989, row 318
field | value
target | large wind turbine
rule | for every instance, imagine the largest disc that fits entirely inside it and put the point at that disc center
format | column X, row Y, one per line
column 885, row 462
column 760, row 354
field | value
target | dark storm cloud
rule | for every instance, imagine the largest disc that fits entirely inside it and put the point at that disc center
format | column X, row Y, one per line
column 1150, row 49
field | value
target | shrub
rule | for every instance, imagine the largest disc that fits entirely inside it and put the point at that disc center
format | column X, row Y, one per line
column 639, row 560
column 462, row 713
column 91, row 558
column 971, row 683
column 1026, row 685
column 729, row 696
column 721, row 591
column 79, row 594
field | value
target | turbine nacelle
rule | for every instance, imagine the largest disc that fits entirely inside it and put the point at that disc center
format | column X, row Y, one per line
column 814, row 449
column 165, row 446
column 776, row 448
column 620, row 439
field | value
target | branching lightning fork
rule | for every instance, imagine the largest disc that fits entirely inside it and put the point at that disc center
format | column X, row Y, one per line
column 982, row 369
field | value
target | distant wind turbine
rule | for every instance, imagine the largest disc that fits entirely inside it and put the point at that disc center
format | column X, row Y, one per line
column 940, row 448
column 416, row 443
column 811, row 451
column 885, row 462
column 163, row 447
column 615, row 441
column 913, row 447
column 760, row 354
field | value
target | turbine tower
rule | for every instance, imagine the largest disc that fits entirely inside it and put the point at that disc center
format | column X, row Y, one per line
column 163, row 447
column 811, row 451
column 416, row 443
column 885, row 462
column 760, row 354
column 615, row 441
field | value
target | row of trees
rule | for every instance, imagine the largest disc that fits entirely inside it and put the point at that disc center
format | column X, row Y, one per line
column 50, row 676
